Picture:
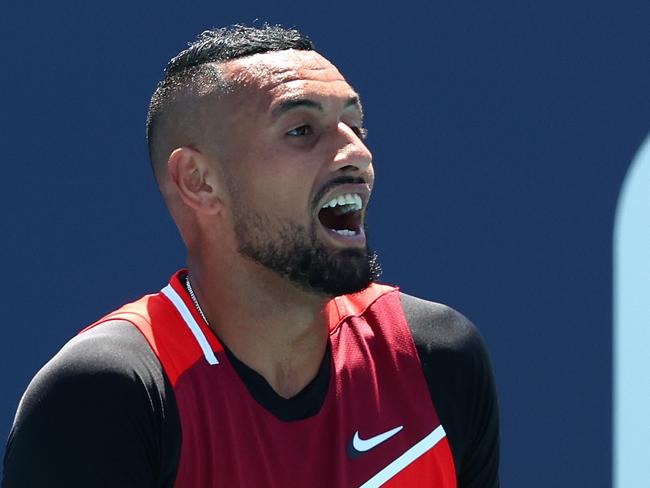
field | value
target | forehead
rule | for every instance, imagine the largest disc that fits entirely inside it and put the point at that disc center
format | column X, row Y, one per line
column 281, row 74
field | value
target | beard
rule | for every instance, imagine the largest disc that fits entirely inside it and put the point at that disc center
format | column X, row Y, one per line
column 295, row 253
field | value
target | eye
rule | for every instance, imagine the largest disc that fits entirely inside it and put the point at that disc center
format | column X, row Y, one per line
column 303, row 130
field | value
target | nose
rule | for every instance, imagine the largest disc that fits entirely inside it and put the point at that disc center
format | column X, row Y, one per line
column 352, row 155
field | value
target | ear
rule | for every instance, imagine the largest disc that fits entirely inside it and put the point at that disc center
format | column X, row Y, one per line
column 195, row 180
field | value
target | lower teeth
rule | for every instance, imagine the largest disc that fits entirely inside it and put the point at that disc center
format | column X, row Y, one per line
column 346, row 232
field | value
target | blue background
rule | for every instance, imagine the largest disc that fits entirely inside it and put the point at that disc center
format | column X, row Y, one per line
column 501, row 130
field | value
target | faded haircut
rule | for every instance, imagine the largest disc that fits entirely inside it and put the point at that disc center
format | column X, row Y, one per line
column 193, row 70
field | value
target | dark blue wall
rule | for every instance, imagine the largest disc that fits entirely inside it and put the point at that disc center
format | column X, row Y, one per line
column 501, row 133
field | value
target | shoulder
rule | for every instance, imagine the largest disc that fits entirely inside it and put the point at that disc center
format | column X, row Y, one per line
column 98, row 369
column 460, row 377
column 441, row 329
column 112, row 352
column 454, row 357
column 103, row 391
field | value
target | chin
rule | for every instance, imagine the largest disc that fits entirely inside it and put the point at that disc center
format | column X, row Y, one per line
column 346, row 272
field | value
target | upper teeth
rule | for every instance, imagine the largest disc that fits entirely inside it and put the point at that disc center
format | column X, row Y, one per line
column 347, row 199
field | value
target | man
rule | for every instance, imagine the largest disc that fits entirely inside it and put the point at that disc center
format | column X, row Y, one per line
column 274, row 359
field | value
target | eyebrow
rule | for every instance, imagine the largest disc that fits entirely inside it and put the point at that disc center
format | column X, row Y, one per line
column 293, row 103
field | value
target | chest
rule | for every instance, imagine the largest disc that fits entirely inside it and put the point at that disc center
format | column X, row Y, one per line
column 376, row 425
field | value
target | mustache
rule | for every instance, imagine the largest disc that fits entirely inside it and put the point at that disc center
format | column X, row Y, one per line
column 341, row 180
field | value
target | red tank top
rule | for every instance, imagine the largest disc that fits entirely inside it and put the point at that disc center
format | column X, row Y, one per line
column 376, row 427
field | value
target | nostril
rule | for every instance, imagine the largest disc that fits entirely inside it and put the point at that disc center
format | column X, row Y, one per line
column 349, row 167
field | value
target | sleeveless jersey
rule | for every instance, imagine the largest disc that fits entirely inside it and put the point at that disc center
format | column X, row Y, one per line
column 376, row 427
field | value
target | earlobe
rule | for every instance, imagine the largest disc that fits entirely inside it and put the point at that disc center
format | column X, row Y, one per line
column 194, row 180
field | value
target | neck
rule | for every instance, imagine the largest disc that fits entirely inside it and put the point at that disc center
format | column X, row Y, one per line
column 269, row 324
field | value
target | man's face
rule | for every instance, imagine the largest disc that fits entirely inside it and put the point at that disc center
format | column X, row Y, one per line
column 299, row 175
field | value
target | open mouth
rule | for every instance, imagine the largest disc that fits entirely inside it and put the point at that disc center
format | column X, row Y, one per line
column 342, row 214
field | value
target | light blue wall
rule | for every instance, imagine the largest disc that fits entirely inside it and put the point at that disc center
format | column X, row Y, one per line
column 632, row 327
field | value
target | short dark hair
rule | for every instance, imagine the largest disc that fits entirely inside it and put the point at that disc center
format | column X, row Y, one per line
column 191, row 68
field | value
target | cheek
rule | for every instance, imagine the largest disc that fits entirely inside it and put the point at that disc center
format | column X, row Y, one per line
column 279, row 179
column 270, row 191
